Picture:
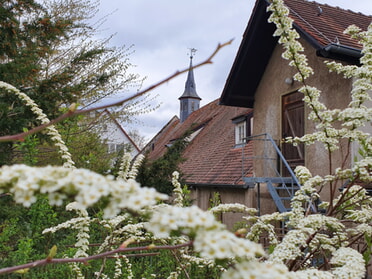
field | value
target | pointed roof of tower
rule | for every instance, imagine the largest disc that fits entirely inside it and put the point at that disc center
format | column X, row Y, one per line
column 190, row 87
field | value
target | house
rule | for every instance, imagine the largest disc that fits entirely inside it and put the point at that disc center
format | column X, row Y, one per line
column 113, row 133
column 261, row 79
column 214, row 164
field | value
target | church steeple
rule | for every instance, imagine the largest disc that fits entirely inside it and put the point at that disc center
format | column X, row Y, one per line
column 189, row 101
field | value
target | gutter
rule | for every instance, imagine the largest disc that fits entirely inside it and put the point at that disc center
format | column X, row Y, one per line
column 340, row 52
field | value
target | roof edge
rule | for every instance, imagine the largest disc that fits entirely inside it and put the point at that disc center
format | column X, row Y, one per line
column 209, row 185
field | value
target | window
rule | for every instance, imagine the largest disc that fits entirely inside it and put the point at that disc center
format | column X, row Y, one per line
column 111, row 147
column 240, row 132
column 243, row 128
column 184, row 105
column 119, row 147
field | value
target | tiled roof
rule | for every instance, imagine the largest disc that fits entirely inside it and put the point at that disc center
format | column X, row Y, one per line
column 325, row 23
column 211, row 156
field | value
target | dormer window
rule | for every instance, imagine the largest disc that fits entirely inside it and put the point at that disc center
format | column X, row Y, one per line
column 243, row 128
column 240, row 132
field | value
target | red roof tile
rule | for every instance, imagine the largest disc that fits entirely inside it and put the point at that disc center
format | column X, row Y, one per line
column 211, row 157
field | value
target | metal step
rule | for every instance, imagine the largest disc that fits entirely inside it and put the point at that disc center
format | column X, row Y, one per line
column 278, row 200
column 279, row 194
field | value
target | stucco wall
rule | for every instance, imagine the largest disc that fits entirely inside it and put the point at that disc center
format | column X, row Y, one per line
column 267, row 107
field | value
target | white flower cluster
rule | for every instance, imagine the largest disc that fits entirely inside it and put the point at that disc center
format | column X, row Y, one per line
column 166, row 219
column 132, row 174
column 177, row 190
column 222, row 244
column 50, row 130
column 303, row 174
column 233, row 207
column 348, row 263
column 82, row 228
column 328, row 233
column 89, row 187
column 212, row 240
column 124, row 166
column 354, row 195
column 80, row 224
column 264, row 224
column 288, row 38
column 202, row 262
column 363, row 169
column 118, row 267
column 129, row 231
column 312, row 273
column 128, row 171
column 290, row 247
column 77, row 270
column 363, row 228
column 257, row 270
column 175, row 274
column 363, row 215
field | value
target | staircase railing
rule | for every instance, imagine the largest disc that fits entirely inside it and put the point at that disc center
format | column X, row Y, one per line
column 281, row 189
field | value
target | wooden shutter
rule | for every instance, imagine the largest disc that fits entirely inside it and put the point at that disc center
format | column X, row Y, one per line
column 293, row 121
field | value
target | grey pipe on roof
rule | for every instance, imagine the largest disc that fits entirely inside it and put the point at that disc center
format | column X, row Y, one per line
column 342, row 52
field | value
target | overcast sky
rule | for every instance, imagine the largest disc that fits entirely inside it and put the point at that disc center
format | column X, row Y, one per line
column 162, row 31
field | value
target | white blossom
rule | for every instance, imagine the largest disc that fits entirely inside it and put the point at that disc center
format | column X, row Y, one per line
column 348, row 263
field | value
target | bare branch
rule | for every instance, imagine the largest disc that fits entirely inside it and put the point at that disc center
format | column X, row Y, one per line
column 93, row 257
column 73, row 112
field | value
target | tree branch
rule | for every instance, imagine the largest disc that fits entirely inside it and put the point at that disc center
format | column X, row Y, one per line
column 73, row 112
column 93, row 257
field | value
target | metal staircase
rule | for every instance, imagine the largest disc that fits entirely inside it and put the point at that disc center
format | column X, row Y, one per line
column 281, row 189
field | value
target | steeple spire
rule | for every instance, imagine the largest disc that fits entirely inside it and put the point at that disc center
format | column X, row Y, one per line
column 189, row 101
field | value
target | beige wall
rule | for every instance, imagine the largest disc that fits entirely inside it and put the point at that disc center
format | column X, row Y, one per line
column 267, row 107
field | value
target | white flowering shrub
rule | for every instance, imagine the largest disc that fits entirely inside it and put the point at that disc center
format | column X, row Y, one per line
column 329, row 240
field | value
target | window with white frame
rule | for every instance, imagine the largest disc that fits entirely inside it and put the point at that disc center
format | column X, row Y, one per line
column 243, row 128
column 240, row 132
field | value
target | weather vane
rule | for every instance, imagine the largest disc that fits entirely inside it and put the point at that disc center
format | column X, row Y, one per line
column 192, row 52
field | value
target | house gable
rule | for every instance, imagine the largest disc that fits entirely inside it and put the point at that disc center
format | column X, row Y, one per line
column 320, row 25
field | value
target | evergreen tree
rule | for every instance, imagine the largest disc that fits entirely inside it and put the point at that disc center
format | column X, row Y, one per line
column 158, row 174
column 49, row 51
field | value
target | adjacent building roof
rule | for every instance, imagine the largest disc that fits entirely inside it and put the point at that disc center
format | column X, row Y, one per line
column 320, row 24
column 212, row 159
column 114, row 132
